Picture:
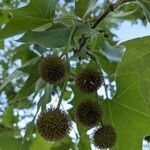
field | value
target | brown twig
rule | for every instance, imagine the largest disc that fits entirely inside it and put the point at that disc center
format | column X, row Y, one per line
column 83, row 40
column 108, row 10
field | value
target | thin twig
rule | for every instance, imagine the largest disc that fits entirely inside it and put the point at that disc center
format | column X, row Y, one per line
column 83, row 40
column 67, row 78
column 62, row 93
column 108, row 10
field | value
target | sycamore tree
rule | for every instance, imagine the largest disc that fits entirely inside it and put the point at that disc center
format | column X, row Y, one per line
column 66, row 83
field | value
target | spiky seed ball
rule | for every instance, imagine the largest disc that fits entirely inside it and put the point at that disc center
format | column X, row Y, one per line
column 89, row 113
column 52, row 69
column 53, row 124
column 105, row 137
column 88, row 80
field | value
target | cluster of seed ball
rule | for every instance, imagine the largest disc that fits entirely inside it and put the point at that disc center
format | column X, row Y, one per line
column 89, row 112
column 54, row 124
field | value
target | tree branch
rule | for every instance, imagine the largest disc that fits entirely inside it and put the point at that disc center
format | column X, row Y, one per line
column 83, row 40
column 107, row 11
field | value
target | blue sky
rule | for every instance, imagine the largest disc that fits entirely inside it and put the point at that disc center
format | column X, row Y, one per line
column 127, row 31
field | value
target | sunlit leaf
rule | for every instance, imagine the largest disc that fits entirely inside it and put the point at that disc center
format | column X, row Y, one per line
column 56, row 37
column 128, row 113
column 81, row 6
column 37, row 13
column 137, row 59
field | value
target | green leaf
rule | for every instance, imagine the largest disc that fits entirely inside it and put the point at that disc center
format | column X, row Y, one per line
column 10, row 77
column 66, row 144
column 67, row 95
column 37, row 13
column 10, row 143
column 113, row 53
column 136, row 59
column 56, row 37
column 3, row 128
column 125, row 1
column 81, row 6
column 128, row 113
column 24, row 53
column 107, row 65
column 9, row 119
column 39, row 142
column 30, row 67
column 4, row 17
column 39, row 84
column 1, row 45
column 46, row 98
column 97, row 42
column 32, row 85
column 9, row 91
column 92, row 6
column 25, row 103
column 67, row 20
column 84, row 29
column 80, row 96
column 29, row 131
column 146, row 7
column 84, row 143
column 28, row 88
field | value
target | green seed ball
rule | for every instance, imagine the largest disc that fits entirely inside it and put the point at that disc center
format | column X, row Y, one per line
column 105, row 137
column 53, row 124
column 89, row 113
column 88, row 80
column 52, row 69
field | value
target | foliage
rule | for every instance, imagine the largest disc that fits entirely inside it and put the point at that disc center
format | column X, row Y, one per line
column 78, row 32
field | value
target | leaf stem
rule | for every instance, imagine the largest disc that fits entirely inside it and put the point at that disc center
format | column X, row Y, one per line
column 94, row 57
column 67, row 78
column 63, row 91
